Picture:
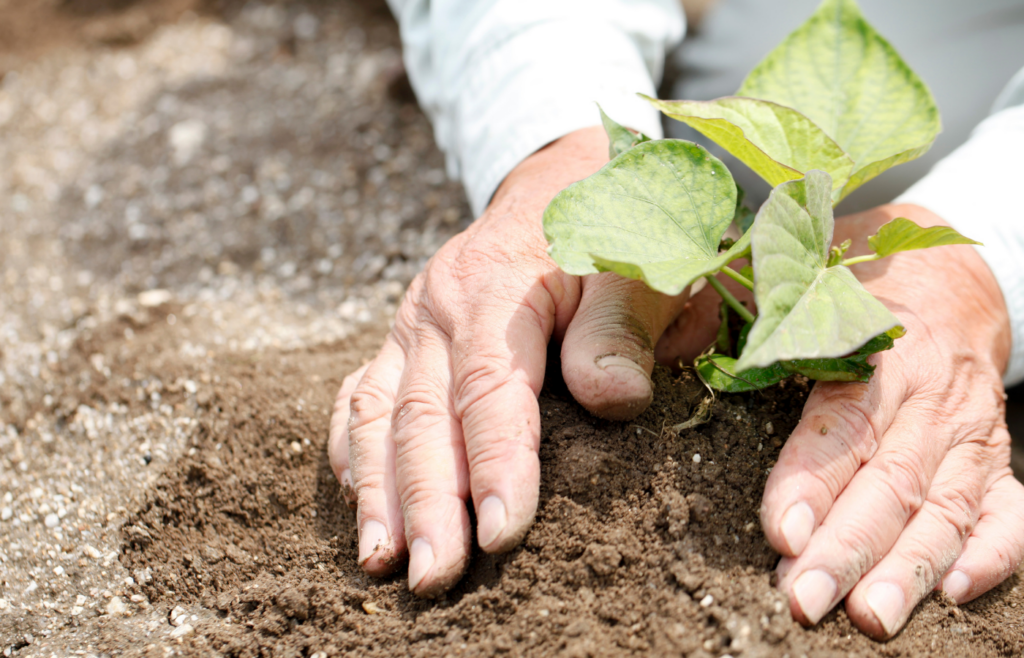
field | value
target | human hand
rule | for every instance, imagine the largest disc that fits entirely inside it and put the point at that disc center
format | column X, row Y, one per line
column 448, row 409
column 889, row 489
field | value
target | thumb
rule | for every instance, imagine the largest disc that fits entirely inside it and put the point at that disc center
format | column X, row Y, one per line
column 608, row 349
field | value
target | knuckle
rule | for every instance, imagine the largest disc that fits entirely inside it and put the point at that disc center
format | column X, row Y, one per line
column 369, row 403
column 366, row 483
column 419, row 407
column 422, row 496
column 903, row 474
column 849, row 411
column 479, row 382
column 498, row 454
column 957, row 506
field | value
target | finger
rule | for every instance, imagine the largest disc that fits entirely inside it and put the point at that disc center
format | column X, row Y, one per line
column 608, row 349
column 498, row 369
column 696, row 326
column 337, row 441
column 372, row 461
column 995, row 548
column 865, row 521
column 430, row 462
column 883, row 599
column 838, row 433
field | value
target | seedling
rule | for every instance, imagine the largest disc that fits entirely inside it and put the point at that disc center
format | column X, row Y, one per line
column 830, row 108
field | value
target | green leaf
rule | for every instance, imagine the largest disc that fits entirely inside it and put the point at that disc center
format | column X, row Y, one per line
column 620, row 138
column 656, row 213
column 720, row 374
column 841, row 74
column 777, row 142
column 904, row 235
column 853, row 368
column 806, row 309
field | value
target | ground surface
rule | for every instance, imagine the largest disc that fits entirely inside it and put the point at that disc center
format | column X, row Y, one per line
column 208, row 211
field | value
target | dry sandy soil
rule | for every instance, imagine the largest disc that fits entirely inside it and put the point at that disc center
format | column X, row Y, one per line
column 208, row 212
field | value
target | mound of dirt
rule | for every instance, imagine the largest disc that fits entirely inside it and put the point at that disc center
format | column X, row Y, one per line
column 647, row 541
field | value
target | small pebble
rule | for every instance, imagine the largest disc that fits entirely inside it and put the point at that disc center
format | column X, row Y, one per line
column 6, row 513
column 91, row 552
column 769, row 428
column 178, row 616
column 707, row 601
column 372, row 608
column 51, row 521
column 696, row 458
column 116, row 606
column 152, row 298
column 182, row 631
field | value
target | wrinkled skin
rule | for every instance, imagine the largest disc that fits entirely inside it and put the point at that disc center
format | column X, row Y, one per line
column 885, row 491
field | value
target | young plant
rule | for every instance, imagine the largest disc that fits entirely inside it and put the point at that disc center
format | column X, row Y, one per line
column 830, row 108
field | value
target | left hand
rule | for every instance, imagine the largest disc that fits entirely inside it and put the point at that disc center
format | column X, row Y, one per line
column 890, row 489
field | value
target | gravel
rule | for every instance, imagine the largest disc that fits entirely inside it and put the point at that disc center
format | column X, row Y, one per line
column 264, row 176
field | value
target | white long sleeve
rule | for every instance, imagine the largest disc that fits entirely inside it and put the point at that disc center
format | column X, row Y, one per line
column 977, row 189
column 502, row 78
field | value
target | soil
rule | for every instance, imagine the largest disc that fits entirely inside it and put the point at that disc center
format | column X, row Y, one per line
column 194, row 250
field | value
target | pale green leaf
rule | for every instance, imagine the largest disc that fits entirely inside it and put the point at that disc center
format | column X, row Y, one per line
column 620, row 138
column 806, row 309
column 777, row 142
column 852, row 368
column 841, row 74
column 901, row 234
column 720, row 374
column 656, row 213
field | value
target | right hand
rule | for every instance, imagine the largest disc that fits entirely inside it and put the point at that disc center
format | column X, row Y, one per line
column 448, row 409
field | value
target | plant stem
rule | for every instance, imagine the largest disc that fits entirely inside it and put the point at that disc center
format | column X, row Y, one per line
column 740, row 309
column 738, row 278
column 860, row 259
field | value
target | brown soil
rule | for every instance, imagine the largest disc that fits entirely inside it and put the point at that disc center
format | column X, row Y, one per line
column 212, row 453
column 638, row 548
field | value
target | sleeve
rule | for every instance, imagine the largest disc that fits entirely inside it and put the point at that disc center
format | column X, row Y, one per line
column 499, row 79
column 977, row 189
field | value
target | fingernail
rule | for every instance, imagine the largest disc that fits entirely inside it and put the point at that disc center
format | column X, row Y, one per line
column 372, row 537
column 616, row 361
column 492, row 521
column 886, row 601
column 797, row 526
column 814, row 591
column 421, row 558
column 957, row 585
